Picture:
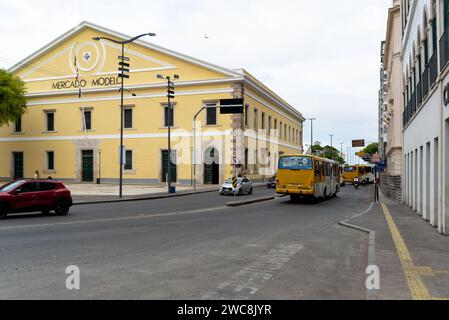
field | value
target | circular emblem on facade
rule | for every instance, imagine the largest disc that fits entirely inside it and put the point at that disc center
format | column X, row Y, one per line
column 87, row 56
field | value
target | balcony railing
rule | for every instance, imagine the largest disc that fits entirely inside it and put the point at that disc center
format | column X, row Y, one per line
column 419, row 94
column 413, row 102
column 433, row 67
column 444, row 49
column 425, row 82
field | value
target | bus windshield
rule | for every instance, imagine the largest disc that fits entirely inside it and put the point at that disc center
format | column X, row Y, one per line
column 296, row 163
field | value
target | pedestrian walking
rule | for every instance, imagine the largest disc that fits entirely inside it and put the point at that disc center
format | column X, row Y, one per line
column 36, row 175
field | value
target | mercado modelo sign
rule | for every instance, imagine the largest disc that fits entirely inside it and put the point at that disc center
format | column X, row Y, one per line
column 76, row 84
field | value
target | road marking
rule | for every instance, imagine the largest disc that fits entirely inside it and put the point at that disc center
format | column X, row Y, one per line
column 136, row 217
column 248, row 281
column 370, row 293
column 416, row 285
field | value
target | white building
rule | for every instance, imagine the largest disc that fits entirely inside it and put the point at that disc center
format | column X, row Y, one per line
column 425, row 47
column 383, row 103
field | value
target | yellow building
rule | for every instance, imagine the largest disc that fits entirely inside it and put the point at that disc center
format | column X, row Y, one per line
column 75, row 138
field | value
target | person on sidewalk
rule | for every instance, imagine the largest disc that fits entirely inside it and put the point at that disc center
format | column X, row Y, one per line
column 36, row 175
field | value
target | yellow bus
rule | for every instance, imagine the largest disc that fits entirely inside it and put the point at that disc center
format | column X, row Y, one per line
column 350, row 173
column 308, row 176
column 368, row 173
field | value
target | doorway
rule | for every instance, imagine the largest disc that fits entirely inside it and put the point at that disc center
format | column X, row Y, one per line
column 87, row 166
column 17, row 165
column 173, row 166
column 446, row 178
column 211, row 166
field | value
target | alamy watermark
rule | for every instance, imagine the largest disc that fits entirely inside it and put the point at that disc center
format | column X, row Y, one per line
column 373, row 279
column 73, row 281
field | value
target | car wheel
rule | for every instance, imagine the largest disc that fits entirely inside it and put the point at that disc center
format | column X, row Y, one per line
column 250, row 191
column 3, row 213
column 240, row 192
column 62, row 209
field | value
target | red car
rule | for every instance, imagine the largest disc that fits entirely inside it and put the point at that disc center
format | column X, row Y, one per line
column 34, row 195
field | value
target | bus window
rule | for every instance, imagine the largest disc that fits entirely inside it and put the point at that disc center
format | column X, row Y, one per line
column 317, row 168
column 295, row 163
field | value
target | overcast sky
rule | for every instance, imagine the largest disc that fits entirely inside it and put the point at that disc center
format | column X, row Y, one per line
column 321, row 56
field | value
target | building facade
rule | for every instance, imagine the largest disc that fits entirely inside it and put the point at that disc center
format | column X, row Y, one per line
column 391, row 118
column 425, row 47
column 72, row 127
column 383, row 91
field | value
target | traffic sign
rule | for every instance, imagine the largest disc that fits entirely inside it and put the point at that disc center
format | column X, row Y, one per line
column 231, row 106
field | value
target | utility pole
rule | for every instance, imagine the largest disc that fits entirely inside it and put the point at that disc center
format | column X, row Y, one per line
column 341, row 149
column 332, row 145
column 124, row 74
column 311, row 134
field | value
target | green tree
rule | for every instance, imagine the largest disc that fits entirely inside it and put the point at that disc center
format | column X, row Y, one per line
column 371, row 149
column 317, row 148
column 12, row 97
column 333, row 154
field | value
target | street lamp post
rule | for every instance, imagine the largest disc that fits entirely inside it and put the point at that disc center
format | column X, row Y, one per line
column 341, row 149
column 332, row 144
column 124, row 69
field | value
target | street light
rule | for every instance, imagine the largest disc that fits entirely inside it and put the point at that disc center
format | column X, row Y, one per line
column 332, row 144
column 124, row 69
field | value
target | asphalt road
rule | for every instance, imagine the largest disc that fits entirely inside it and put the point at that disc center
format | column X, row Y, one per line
column 189, row 247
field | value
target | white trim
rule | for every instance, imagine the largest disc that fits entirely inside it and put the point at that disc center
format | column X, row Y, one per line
column 112, row 98
column 273, row 140
column 163, row 65
column 270, row 107
column 135, row 87
column 39, row 67
column 272, row 96
column 112, row 33
column 184, row 134
column 135, row 71
column 51, row 78
column 117, row 136
column 96, row 61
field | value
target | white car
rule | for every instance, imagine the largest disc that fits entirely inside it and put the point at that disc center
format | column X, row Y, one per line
column 244, row 186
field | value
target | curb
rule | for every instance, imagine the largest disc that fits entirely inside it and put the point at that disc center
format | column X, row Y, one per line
column 156, row 197
column 146, row 198
column 244, row 203
column 371, row 242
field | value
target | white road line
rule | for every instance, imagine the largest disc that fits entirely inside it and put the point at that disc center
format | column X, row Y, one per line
column 136, row 217
column 251, row 278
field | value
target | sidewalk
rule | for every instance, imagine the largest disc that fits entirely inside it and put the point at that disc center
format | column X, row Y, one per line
column 412, row 256
column 94, row 193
